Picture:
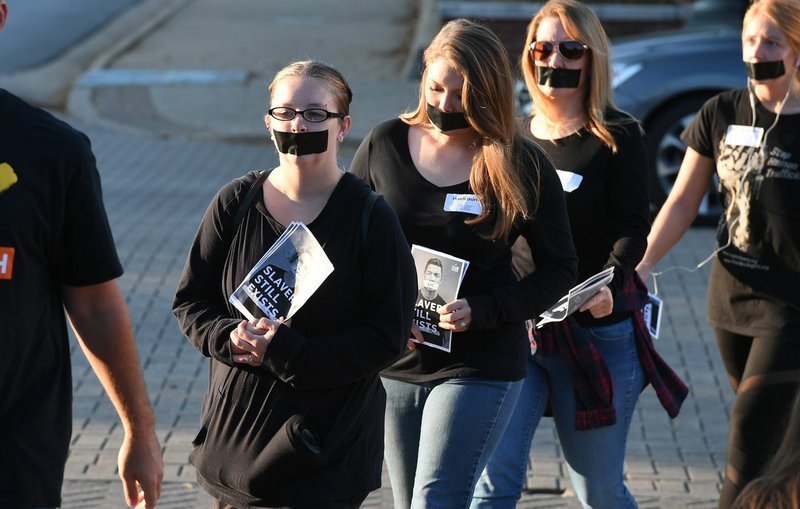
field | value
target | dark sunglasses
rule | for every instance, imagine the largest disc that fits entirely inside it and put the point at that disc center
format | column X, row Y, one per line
column 571, row 50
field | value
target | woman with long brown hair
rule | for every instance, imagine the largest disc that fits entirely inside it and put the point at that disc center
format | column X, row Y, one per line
column 465, row 181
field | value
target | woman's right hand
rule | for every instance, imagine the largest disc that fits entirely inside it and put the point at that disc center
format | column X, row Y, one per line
column 250, row 339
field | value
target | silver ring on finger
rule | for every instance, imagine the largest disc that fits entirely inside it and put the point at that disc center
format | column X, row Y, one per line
column 462, row 323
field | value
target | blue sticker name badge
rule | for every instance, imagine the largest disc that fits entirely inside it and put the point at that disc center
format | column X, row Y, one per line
column 744, row 136
column 467, row 203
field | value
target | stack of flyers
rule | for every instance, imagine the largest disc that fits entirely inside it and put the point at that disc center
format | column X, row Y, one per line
column 285, row 277
column 576, row 297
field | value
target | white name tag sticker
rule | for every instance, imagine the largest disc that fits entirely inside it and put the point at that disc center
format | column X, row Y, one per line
column 569, row 181
column 744, row 135
column 467, row 203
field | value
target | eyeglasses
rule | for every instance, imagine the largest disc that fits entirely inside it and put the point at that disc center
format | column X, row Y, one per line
column 314, row 115
column 571, row 50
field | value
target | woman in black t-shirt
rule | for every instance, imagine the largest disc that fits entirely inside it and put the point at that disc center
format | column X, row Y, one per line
column 751, row 139
column 464, row 181
column 593, row 365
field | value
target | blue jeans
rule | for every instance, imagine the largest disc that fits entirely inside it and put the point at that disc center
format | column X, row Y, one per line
column 595, row 457
column 439, row 436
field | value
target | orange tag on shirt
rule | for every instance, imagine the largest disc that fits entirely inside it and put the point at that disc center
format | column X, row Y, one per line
column 6, row 262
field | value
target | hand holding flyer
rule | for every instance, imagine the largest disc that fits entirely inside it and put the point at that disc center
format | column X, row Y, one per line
column 576, row 297
column 285, row 277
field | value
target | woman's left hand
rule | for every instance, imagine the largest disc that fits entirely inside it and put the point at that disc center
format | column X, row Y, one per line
column 601, row 304
column 455, row 316
column 249, row 340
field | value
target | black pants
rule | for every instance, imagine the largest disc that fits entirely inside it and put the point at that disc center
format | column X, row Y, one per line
column 765, row 375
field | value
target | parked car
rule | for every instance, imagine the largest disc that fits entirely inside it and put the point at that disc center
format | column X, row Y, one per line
column 662, row 79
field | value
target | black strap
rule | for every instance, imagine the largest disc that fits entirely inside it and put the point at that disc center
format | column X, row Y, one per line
column 247, row 201
column 365, row 215
column 255, row 187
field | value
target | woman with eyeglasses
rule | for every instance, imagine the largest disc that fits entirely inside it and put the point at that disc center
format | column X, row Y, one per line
column 749, row 138
column 592, row 366
column 293, row 416
column 464, row 180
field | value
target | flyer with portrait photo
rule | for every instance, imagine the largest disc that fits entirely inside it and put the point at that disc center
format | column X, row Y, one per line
column 439, row 276
column 285, row 277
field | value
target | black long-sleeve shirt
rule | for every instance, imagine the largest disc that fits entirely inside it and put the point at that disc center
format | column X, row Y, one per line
column 495, row 345
column 324, row 367
column 608, row 211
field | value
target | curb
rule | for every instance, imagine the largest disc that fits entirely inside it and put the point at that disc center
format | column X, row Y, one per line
column 119, row 36
column 49, row 85
column 145, row 18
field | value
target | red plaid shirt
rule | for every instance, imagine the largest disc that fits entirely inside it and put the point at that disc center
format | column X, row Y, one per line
column 591, row 381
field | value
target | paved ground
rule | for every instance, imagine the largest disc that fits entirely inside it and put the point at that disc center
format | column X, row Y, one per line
column 156, row 191
column 165, row 145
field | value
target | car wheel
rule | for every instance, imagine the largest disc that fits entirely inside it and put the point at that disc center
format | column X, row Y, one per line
column 665, row 152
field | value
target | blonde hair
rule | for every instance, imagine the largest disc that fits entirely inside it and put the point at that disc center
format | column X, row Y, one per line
column 778, row 487
column 583, row 25
column 786, row 16
column 333, row 79
column 500, row 175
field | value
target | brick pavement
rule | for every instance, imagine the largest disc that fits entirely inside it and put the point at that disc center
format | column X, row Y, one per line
column 156, row 191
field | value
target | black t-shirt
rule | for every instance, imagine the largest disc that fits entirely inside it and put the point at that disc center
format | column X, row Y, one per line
column 53, row 232
column 495, row 345
column 755, row 279
column 606, row 194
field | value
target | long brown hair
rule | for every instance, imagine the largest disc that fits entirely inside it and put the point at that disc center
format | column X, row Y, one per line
column 582, row 24
column 501, row 171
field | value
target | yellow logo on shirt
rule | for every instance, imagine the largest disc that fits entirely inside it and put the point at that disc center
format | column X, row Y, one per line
column 7, row 176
